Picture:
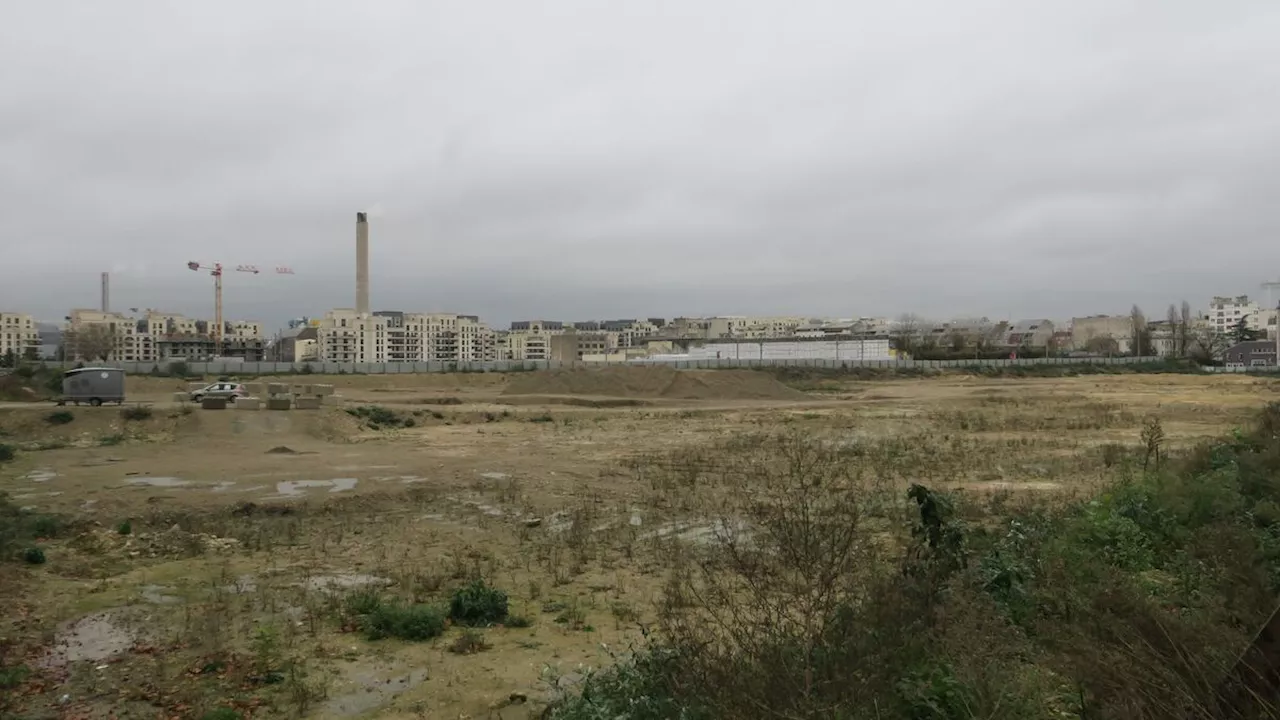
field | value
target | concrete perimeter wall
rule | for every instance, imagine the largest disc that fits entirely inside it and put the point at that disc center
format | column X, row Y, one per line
column 330, row 368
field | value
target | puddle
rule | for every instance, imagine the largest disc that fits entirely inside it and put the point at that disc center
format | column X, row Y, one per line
column 636, row 520
column 494, row 476
column 402, row 479
column 28, row 496
column 343, row 581
column 223, row 486
column 1005, row 485
column 39, row 475
column 92, row 637
column 350, row 468
column 293, row 488
column 155, row 594
column 368, row 688
column 158, row 481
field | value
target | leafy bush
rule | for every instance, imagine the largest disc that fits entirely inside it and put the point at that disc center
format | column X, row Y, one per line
column 136, row 412
column 379, row 618
column 59, row 417
column 33, row 556
column 124, row 528
column 469, row 643
column 478, row 604
column 7, row 452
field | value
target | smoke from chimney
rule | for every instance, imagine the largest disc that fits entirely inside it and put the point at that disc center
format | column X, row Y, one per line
column 106, row 292
column 362, row 264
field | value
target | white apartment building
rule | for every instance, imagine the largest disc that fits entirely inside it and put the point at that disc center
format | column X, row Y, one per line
column 1225, row 313
column 394, row 336
column 18, row 335
column 531, row 339
column 345, row 335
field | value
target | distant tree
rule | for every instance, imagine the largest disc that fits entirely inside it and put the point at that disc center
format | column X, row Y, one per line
column 9, row 359
column 906, row 331
column 958, row 341
column 31, row 353
column 1184, row 329
column 1102, row 345
column 1206, row 346
column 1141, row 333
column 90, row 342
column 1242, row 332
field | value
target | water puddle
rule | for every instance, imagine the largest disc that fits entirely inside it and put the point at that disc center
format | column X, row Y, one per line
column 344, row 581
column 155, row 594
column 28, row 496
column 294, row 488
column 93, row 637
column 40, row 475
column 494, row 476
column 368, row 688
column 158, row 481
column 352, row 468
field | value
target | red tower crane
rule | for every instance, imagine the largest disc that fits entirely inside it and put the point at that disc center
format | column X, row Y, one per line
column 216, row 271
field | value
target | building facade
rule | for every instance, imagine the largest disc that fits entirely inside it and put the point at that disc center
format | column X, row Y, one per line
column 155, row 337
column 19, row 336
column 1225, row 313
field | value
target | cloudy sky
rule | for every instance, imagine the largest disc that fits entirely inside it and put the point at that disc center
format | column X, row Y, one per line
column 596, row 158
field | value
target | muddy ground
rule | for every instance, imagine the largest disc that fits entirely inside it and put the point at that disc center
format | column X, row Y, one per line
column 194, row 546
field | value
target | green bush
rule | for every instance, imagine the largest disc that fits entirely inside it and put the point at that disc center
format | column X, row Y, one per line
column 7, row 452
column 33, row 556
column 124, row 528
column 478, row 604
column 136, row 412
column 407, row 622
column 59, row 417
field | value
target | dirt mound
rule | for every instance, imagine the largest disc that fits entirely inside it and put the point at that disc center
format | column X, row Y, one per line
column 653, row 382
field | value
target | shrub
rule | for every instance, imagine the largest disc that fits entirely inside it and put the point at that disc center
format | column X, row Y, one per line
column 7, row 452
column 33, row 556
column 136, row 412
column 407, row 622
column 478, row 604
column 124, row 528
column 59, row 417
column 45, row 526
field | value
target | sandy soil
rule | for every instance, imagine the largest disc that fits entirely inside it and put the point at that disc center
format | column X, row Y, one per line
column 491, row 478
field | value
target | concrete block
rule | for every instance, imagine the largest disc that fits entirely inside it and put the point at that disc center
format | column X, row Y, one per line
column 277, row 388
column 307, row 403
column 214, row 403
column 298, row 389
column 321, row 390
column 248, row 403
column 256, row 388
column 279, row 402
column 332, row 399
column 180, row 397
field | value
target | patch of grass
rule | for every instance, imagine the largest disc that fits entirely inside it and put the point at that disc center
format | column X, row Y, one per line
column 543, row 418
column 136, row 413
column 518, row 621
column 111, row 440
column 478, row 604
column 378, row 417
column 13, row 676
column 59, row 417
column 396, row 620
column 222, row 713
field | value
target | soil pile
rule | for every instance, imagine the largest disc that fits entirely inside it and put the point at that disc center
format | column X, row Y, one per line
column 653, row 382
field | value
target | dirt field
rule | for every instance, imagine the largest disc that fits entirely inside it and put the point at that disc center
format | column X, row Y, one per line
column 203, row 551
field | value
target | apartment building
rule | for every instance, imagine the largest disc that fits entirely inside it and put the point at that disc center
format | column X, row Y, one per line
column 630, row 332
column 345, row 335
column 396, row 336
column 155, row 337
column 531, row 339
column 1225, row 313
column 19, row 336
column 576, row 345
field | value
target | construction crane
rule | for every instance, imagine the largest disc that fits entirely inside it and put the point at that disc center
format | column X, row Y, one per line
column 216, row 271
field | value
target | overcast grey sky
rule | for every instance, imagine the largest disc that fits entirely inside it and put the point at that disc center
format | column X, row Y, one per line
column 598, row 158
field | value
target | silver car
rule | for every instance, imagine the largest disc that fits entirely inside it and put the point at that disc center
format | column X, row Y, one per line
column 227, row 390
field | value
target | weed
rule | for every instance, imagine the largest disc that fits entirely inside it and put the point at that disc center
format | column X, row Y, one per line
column 478, row 604
column 59, row 417
column 136, row 413
column 407, row 622
column 469, row 643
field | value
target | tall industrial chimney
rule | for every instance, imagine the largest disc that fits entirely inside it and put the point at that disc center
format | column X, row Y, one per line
column 106, row 292
column 362, row 264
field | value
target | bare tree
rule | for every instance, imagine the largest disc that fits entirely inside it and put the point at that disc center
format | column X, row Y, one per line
column 89, row 342
column 906, row 331
column 1184, row 330
column 1206, row 346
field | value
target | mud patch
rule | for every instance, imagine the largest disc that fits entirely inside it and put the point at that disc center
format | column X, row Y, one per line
column 91, row 638
column 368, row 688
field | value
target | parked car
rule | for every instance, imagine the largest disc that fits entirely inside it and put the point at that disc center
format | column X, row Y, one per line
column 227, row 390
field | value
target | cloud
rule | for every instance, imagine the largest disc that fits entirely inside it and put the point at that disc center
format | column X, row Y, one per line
column 571, row 158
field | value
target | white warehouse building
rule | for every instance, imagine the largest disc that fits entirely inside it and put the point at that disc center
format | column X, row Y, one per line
column 868, row 350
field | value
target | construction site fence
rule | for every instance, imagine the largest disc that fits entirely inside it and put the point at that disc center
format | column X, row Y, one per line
column 506, row 366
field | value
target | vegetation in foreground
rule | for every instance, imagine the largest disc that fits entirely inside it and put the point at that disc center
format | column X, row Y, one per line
column 826, row 596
